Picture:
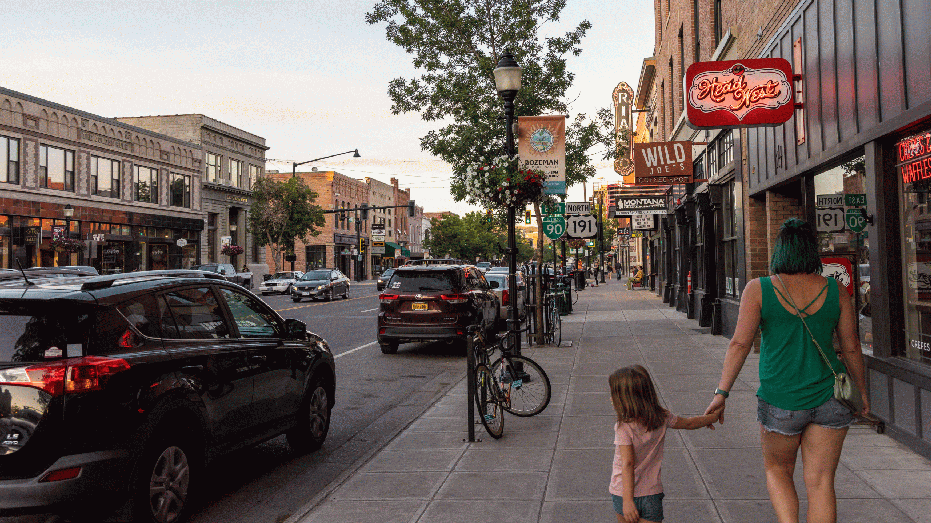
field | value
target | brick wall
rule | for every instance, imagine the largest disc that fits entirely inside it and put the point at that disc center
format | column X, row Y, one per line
column 779, row 208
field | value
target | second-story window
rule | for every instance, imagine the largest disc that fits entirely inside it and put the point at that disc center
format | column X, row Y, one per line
column 56, row 168
column 213, row 167
column 145, row 184
column 718, row 22
column 725, row 149
column 9, row 160
column 105, row 177
column 254, row 173
column 236, row 173
column 180, row 190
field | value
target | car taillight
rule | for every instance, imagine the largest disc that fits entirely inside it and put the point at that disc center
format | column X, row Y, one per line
column 387, row 297
column 61, row 475
column 504, row 297
column 66, row 376
column 455, row 298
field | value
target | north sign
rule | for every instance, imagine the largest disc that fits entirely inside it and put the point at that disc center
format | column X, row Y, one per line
column 739, row 93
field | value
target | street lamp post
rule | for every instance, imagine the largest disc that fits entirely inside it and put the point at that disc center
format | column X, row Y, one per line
column 295, row 164
column 68, row 212
column 507, row 81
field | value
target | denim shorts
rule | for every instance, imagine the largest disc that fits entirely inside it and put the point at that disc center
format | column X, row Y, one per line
column 831, row 414
column 650, row 507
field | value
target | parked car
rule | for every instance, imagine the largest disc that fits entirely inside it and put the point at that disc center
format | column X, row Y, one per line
column 499, row 285
column 483, row 266
column 321, row 284
column 436, row 302
column 228, row 272
column 497, row 269
column 280, row 282
column 124, row 387
column 383, row 279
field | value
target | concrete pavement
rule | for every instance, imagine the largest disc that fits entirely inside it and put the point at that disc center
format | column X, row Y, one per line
column 555, row 467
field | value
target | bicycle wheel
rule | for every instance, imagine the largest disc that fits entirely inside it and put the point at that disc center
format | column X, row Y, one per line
column 557, row 330
column 553, row 324
column 525, row 384
column 486, row 399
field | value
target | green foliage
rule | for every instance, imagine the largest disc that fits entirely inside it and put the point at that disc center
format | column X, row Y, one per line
column 472, row 237
column 282, row 212
column 455, row 45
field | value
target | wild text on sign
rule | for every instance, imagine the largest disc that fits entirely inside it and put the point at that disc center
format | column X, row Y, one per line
column 659, row 161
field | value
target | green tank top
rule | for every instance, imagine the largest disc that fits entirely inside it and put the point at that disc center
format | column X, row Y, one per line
column 793, row 375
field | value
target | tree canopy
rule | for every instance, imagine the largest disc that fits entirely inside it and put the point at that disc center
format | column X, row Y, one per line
column 470, row 238
column 281, row 213
column 456, row 44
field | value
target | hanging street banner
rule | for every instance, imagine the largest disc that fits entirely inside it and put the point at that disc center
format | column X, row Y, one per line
column 541, row 146
column 630, row 205
column 739, row 93
column 662, row 163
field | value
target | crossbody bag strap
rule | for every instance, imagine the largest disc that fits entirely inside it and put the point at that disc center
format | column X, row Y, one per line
column 799, row 313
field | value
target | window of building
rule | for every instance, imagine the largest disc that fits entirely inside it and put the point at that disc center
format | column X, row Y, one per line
column 696, row 30
column 180, row 190
column 254, row 172
column 236, row 173
column 725, row 146
column 682, row 58
column 718, row 22
column 212, row 219
column 712, row 151
column 145, row 184
column 56, row 168
column 912, row 161
column 672, row 98
column 213, row 168
column 315, row 256
column 105, row 177
column 9, row 160
column 729, row 241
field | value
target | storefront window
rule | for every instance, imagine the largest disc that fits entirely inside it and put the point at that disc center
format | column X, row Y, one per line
column 729, row 241
column 5, row 242
column 9, row 160
column 914, row 172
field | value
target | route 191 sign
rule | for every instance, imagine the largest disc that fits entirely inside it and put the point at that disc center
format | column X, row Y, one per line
column 584, row 226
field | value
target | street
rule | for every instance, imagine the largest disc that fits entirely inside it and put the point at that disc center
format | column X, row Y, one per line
column 376, row 396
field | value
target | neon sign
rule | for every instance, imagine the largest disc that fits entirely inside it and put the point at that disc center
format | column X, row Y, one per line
column 914, row 155
column 739, row 93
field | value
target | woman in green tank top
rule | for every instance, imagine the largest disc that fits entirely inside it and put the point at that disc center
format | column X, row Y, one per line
column 796, row 406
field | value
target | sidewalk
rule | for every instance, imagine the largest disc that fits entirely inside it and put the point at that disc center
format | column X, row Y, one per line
column 555, row 467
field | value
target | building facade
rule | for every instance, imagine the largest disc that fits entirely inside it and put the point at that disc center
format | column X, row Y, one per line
column 232, row 160
column 133, row 194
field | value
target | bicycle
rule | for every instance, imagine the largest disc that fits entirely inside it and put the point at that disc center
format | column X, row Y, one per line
column 552, row 321
column 511, row 383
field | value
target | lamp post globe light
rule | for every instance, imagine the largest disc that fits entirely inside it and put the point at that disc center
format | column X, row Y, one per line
column 507, row 81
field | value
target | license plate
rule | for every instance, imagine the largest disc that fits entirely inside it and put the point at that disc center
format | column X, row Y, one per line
column 418, row 306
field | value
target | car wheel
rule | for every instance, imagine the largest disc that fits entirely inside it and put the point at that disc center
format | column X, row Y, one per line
column 313, row 421
column 288, row 290
column 296, row 300
column 165, row 474
column 346, row 294
column 390, row 347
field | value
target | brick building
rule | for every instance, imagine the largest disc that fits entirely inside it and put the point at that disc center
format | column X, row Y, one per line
column 134, row 194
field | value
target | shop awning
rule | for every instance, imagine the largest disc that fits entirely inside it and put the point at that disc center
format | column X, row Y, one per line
column 391, row 248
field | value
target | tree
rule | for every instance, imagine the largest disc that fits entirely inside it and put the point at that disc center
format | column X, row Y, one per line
column 282, row 212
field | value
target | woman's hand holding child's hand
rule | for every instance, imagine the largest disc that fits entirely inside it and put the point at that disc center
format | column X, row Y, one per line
column 630, row 512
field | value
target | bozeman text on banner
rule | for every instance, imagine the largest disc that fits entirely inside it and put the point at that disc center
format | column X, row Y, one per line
column 541, row 146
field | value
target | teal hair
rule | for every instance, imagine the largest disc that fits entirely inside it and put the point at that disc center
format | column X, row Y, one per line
column 796, row 249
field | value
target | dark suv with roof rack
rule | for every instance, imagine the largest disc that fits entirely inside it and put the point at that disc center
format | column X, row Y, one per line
column 123, row 387
column 433, row 302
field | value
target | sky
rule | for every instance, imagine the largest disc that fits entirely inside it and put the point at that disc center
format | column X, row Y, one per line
column 310, row 77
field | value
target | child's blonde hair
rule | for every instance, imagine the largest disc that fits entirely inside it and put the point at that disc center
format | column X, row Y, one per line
column 635, row 399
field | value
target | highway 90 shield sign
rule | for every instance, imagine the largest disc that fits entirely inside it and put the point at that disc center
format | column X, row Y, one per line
column 554, row 226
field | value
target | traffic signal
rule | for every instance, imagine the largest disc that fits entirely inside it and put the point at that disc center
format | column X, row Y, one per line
column 361, row 245
column 527, row 217
column 410, row 208
column 364, row 211
column 488, row 216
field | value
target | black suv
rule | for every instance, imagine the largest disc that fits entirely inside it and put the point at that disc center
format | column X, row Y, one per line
column 123, row 387
column 437, row 302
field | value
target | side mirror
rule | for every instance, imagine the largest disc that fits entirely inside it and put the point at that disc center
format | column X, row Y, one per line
column 296, row 328
column 493, row 284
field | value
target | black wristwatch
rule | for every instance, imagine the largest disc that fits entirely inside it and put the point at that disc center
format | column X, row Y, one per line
column 722, row 392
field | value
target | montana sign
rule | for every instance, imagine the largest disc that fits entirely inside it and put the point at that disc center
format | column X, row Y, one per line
column 627, row 205
column 663, row 163
column 739, row 93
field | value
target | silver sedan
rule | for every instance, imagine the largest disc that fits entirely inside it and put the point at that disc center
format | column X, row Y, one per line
column 280, row 282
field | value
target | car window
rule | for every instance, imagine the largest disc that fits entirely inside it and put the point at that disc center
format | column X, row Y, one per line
column 252, row 319
column 143, row 313
column 196, row 313
column 420, row 281
column 42, row 332
column 502, row 280
column 316, row 275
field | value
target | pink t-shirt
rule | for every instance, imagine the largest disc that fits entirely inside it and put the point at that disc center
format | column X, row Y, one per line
column 648, row 457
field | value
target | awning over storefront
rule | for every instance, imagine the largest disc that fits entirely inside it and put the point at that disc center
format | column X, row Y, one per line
column 391, row 248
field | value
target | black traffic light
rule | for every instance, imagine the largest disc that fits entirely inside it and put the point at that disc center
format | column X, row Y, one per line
column 364, row 211
column 410, row 208
column 488, row 216
column 527, row 217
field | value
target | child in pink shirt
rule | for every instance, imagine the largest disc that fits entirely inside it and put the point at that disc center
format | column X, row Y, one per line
column 636, row 486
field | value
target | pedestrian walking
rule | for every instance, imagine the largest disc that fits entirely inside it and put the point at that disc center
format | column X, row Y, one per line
column 796, row 404
column 639, row 434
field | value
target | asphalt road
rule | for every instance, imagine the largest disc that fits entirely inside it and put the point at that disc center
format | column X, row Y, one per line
column 376, row 396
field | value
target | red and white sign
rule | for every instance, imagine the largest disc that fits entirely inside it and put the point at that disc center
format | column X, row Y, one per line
column 739, row 93
column 840, row 269
column 662, row 163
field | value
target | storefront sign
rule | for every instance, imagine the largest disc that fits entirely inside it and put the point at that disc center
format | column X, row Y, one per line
column 541, row 146
column 662, row 163
column 914, row 155
column 739, row 93
column 226, row 240
column 628, row 205
column 623, row 136
column 32, row 234
column 181, row 242
column 643, row 222
column 840, row 269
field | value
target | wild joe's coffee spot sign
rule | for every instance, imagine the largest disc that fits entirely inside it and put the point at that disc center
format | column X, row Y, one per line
column 739, row 93
column 662, row 163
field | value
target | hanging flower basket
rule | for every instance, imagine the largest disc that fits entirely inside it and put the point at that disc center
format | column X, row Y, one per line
column 576, row 243
column 68, row 245
column 499, row 182
column 231, row 250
